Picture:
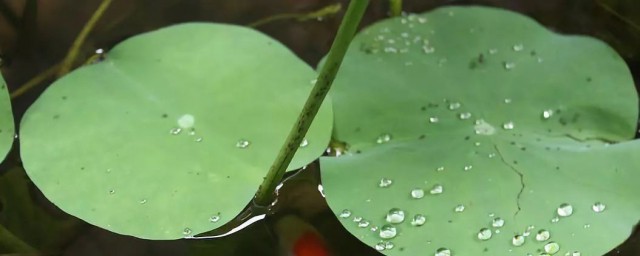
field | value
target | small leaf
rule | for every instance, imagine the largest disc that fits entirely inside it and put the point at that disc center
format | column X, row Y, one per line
column 483, row 129
column 174, row 127
column 7, row 130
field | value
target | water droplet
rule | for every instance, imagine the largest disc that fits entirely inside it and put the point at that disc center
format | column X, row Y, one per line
column 357, row 219
column 363, row 223
column 555, row 220
column 422, row 20
column 417, row 193
column 383, row 138
column 112, row 191
column 598, row 207
column 507, row 101
column 388, row 245
column 546, row 114
column 379, row 246
column 454, row 105
column 384, row 183
column 433, row 119
column 186, row 231
column 175, row 131
column 517, row 240
column 374, row 228
column 437, row 189
column 508, row 125
column 468, row 167
column 199, row 139
column 304, row 143
column 484, row 234
column 509, row 65
column 459, row 208
column 418, row 220
column 587, row 225
column 465, row 115
column 345, row 214
column 483, row 128
column 518, row 47
column 395, row 216
column 313, row 81
column 551, row 247
column 443, row 252
column 388, row 231
column 186, row 121
column 574, row 253
column 439, row 169
column 493, row 51
column 543, row 235
column 242, row 143
column 565, row 210
column 143, row 201
column 497, row 222
column 428, row 49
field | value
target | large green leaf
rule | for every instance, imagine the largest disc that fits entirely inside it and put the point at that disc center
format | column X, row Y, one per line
column 492, row 117
column 176, row 127
column 7, row 130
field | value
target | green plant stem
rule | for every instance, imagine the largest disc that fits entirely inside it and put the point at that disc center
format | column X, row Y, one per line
column 9, row 240
column 345, row 34
column 395, row 7
column 324, row 12
column 67, row 63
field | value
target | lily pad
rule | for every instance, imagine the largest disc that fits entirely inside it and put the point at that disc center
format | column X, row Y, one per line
column 7, row 130
column 475, row 131
column 171, row 135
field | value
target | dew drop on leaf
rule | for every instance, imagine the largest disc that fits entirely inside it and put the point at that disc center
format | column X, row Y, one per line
column 395, row 215
column 565, row 210
column 454, row 105
column 384, row 183
column 497, row 222
column 464, row 116
column 518, row 47
column 214, row 218
column 186, row 231
column 542, row 235
column 546, row 114
column 509, row 65
column 433, row 119
column 242, row 143
column 388, row 231
column 418, row 220
column 517, row 240
column 598, row 207
column 304, row 143
column 459, row 208
column 508, row 125
column 384, row 138
column 437, row 189
column 443, row 252
column 417, row 193
column 484, row 234
column 551, row 247
column 346, row 213
column 175, row 131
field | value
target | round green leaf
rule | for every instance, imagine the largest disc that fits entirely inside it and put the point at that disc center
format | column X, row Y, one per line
column 489, row 126
column 171, row 135
column 7, row 130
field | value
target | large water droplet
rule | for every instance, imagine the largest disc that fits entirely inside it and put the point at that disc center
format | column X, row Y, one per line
column 443, row 252
column 551, row 247
column 242, row 143
column 565, row 210
column 388, row 231
column 497, row 222
column 395, row 215
column 459, row 208
column 598, row 207
column 508, row 125
column 379, row 246
column 384, row 183
column 517, row 240
column 417, row 193
column 418, row 220
column 543, row 235
column 384, row 138
column 437, row 189
column 546, row 114
column 484, row 234
column 346, row 213
column 465, row 115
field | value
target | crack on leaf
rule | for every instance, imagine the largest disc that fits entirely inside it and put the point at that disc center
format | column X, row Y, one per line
column 520, row 174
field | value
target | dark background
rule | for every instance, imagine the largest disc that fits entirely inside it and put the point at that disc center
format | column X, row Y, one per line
column 36, row 34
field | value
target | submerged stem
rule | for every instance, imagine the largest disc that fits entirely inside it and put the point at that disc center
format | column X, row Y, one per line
column 9, row 240
column 67, row 63
column 327, row 74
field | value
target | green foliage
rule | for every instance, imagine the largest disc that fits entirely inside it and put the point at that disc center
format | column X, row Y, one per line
column 177, row 126
column 490, row 116
column 7, row 130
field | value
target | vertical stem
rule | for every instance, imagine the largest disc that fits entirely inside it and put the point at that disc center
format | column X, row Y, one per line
column 395, row 7
column 346, row 32
column 9, row 240
column 67, row 63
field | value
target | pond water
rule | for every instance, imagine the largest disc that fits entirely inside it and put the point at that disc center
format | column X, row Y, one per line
column 31, row 45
